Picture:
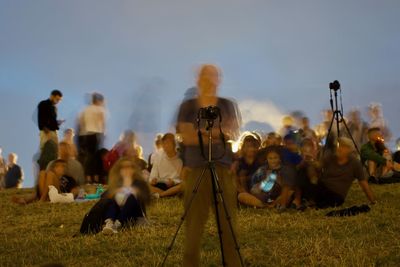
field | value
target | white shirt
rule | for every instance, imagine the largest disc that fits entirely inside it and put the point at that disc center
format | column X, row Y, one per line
column 165, row 168
column 92, row 120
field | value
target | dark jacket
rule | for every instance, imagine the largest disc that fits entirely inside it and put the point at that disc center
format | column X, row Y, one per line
column 47, row 116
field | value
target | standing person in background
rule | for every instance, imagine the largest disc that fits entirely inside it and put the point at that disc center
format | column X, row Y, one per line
column 14, row 176
column 207, row 84
column 357, row 127
column 306, row 131
column 378, row 121
column 92, row 125
column 47, row 117
column 156, row 151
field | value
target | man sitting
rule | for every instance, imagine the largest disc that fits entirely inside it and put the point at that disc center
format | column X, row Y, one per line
column 165, row 174
column 373, row 154
column 339, row 170
column 14, row 175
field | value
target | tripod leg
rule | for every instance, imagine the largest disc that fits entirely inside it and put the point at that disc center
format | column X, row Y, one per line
column 219, row 195
column 329, row 134
column 217, row 217
column 185, row 213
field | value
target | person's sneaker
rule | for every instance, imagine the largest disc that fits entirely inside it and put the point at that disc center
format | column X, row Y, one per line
column 109, row 228
column 117, row 225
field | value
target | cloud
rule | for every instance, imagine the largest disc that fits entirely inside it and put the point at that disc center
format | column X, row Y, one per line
column 263, row 112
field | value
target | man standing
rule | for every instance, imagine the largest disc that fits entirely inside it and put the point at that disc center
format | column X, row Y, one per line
column 207, row 84
column 47, row 118
column 92, row 125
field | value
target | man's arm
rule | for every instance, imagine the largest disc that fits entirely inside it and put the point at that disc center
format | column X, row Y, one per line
column 367, row 190
column 42, row 117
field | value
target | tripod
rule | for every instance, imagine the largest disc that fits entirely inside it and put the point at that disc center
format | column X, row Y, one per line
column 337, row 117
column 217, row 197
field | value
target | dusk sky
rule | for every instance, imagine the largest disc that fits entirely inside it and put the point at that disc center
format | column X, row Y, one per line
column 276, row 57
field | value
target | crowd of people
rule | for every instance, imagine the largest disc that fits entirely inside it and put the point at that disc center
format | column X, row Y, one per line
column 296, row 167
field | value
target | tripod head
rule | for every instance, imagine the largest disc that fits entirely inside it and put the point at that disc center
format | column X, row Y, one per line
column 335, row 85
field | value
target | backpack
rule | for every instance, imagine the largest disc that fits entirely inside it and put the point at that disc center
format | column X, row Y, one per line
column 93, row 220
column 110, row 158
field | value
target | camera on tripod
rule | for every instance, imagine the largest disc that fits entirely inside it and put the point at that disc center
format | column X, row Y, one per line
column 335, row 86
column 209, row 113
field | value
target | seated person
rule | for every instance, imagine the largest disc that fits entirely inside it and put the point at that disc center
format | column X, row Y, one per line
column 128, row 193
column 272, row 139
column 49, row 152
column 396, row 164
column 308, row 170
column 272, row 183
column 375, row 155
column 14, row 175
column 73, row 167
column 244, row 168
column 290, row 152
column 339, row 170
column 56, row 177
column 165, row 175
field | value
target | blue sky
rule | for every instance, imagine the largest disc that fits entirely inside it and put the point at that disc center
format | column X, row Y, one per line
column 143, row 54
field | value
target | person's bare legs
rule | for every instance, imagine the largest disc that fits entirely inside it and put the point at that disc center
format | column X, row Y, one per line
column 172, row 191
column 250, row 200
column 154, row 189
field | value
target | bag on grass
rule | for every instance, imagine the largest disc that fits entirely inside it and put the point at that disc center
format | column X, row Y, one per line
column 93, row 221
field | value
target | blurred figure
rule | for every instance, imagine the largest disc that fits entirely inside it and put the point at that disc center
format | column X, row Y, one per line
column 208, row 81
column 398, row 144
column 306, row 131
column 126, row 146
column 323, row 128
column 92, row 126
column 69, row 138
column 357, row 127
column 3, row 168
column 376, row 155
column 288, row 126
column 272, row 139
column 165, row 177
column 14, row 175
column 378, row 121
column 49, row 151
column 291, row 150
column 156, row 151
column 47, row 118
column 73, row 168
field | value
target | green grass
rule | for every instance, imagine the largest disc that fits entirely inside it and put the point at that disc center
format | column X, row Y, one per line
column 43, row 233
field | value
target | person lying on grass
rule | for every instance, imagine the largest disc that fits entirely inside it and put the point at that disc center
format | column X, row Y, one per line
column 339, row 169
column 165, row 175
column 129, row 195
column 272, row 183
column 55, row 176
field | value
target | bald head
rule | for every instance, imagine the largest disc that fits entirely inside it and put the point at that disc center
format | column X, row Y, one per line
column 208, row 80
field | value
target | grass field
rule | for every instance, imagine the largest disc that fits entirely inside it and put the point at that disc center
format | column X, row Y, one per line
column 43, row 233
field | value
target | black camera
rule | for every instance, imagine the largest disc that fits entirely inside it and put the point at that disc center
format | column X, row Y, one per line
column 209, row 113
column 334, row 85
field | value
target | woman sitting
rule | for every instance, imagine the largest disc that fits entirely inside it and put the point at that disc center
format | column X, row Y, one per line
column 128, row 194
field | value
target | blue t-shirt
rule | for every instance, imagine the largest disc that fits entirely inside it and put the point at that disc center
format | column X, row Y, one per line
column 13, row 177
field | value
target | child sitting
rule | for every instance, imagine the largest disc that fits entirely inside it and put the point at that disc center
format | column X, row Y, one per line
column 272, row 183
